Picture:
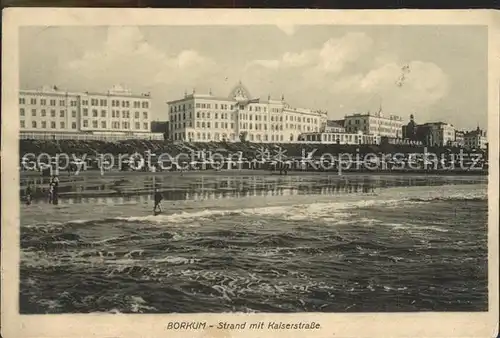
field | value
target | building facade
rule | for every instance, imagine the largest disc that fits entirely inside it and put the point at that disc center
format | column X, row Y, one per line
column 340, row 137
column 239, row 117
column 374, row 124
column 438, row 133
column 475, row 139
column 118, row 112
column 459, row 138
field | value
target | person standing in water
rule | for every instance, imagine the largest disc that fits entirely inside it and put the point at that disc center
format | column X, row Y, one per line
column 28, row 194
column 51, row 192
column 157, row 197
column 55, row 190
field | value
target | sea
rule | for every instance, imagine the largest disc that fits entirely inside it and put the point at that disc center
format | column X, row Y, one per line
column 257, row 243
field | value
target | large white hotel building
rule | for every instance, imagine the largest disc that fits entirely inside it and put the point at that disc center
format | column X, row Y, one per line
column 50, row 113
column 205, row 117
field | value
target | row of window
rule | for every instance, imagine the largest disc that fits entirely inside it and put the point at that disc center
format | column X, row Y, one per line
column 93, row 102
column 114, row 113
column 200, row 136
column 116, row 103
column 203, row 115
column 379, row 130
column 115, row 125
column 43, row 102
column 377, row 122
column 222, row 106
column 44, row 125
column 43, row 112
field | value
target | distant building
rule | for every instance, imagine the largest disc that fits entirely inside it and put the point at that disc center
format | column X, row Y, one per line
column 459, row 138
column 205, row 118
column 437, row 133
column 161, row 127
column 337, row 137
column 334, row 127
column 58, row 114
column 374, row 124
column 410, row 130
column 475, row 139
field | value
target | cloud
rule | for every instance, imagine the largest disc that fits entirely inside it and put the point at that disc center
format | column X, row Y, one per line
column 349, row 73
column 127, row 57
column 333, row 56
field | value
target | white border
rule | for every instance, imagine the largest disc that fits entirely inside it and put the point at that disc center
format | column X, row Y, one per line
column 142, row 325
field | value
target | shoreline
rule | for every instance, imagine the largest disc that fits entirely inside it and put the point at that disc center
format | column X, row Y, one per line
column 260, row 172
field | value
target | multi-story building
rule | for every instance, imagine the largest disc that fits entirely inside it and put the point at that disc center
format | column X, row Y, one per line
column 438, row 133
column 459, row 138
column 374, row 124
column 205, row 118
column 161, row 127
column 475, row 139
column 54, row 113
column 334, row 127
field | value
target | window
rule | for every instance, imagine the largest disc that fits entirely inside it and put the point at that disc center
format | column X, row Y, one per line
column 124, row 114
column 44, row 124
column 52, row 102
column 103, row 124
column 53, row 113
column 137, row 104
column 21, row 100
column 43, row 102
column 94, row 112
column 85, row 102
column 21, row 111
column 44, row 112
column 62, row 125
column 52, row 125
column 73, row 103
column 145, row 104
column 103, row 113
column 137, row 125
column 145, row 115
column 33, row 112
column 94, row 124
column 62, row 102
column 22, row 124
column 33, row 124
column 33, row 101
column 85, row 112
column 73, row 125
column 85, row 123
column 61, row 113
column 104, row 103
column 136, row 115
column 73, row 113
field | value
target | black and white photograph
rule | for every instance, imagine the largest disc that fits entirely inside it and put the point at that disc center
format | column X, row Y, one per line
column 266, row 168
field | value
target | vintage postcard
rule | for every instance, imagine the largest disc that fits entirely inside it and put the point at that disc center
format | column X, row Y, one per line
column 250, row 173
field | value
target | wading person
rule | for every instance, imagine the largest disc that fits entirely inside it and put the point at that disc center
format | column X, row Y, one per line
column 28, row 194
column 157, row 198
column 55, row 190
column 51, row 193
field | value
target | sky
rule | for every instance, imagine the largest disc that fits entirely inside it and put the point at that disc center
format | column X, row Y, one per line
column 437, row 73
